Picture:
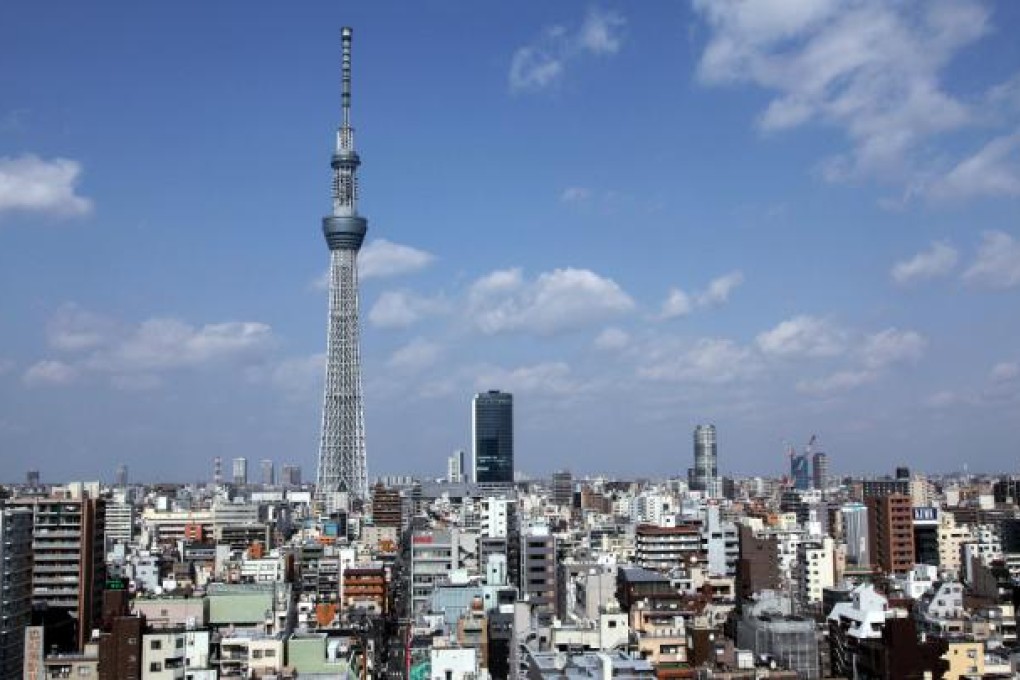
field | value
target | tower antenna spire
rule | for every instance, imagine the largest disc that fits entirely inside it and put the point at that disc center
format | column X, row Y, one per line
column 345, row 75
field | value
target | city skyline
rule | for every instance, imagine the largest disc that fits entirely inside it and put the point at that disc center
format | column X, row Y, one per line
column 633, row 218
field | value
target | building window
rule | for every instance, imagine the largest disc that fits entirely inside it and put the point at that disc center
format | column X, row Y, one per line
column 156, row 644
column 270, row 653
column 155, row 667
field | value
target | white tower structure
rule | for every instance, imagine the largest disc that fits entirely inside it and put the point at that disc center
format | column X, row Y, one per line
column 342, row 467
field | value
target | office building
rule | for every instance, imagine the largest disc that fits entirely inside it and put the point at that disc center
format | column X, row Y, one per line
column 240, row 472
column 538, row 568
column 68, row 569
column 492, row 432
column 855, row 533
column 290, row 476
column 15, row 587
column 704, row 475
column 926, row 536
column 455, row 469
column 800, row 471
column 563, row 488
column 342, row 460
column 121, row 477
column 820, row 469
column 268, row 472
column 757, row 563
column 386, row 506
column 891, row 533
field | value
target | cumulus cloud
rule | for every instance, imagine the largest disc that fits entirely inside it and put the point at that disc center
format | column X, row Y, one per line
column 871, row 69
column 997, row 264
column 543, row 62
column 679, row 303
column 401, row 309
column 993, row 171
column 575, row 194
column 557, row 301
column 382, row 258
column 938, row 260
column 839, row 381
column 892, row 346
column 803, row 336
column 167, row 343
column 298, row 377
column 30, row 184
column 49, row 372
column 612, row 338
column 135, row 355
column 708, row 360
column 1006, row 371
column 415, row 356
column 73, row 328
column 545, row 378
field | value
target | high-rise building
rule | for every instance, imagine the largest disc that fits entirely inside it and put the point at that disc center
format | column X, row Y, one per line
column 68, row 569
column 290, row 475
column 492, row 431
column 15, row 587
column 268, row 472
column 891, row 533
column 706, row 460
column 386, row 506
column 855, row 533
column 342, row 461
column 820, row 469
column 455, row 468
column 121, row 477
column 32, row 478
column 800, row 471
column 240, row 472
column 563, row 488
column 538, row 568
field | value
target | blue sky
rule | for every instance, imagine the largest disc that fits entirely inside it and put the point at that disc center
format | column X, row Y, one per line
column 786, row 218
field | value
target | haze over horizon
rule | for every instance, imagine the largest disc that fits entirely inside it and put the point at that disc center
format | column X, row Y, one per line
column 783, row 218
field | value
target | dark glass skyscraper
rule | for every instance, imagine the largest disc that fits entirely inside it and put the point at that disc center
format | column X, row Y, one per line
column 492, row 433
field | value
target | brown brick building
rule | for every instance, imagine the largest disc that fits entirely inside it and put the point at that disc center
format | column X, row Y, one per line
column 891, row 533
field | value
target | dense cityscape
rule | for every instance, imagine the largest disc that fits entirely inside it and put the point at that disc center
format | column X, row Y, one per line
column 484, row 569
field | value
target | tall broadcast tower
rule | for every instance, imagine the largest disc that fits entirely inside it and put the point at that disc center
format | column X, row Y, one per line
column 342, row 466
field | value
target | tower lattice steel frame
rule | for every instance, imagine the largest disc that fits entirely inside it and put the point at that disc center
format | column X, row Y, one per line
column 342, row 465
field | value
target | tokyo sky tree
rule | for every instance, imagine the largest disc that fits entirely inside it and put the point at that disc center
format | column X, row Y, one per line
column 342, row 464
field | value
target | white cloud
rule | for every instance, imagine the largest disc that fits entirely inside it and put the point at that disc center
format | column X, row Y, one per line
column 679, row 303
column 870, row 68
column 803, row 336
column 556, row 301
column 942, row 399
column 73, row 328
column 612, row 338
column 415, row 355
column 31, row 184
column 709, row 360
column 300, row 376
column 1006, row 371
column 401, row 309
column 543, row 63
column 382, row 258
column 840, row 381
column 49, row 372
column 163, row 344
column 998, row 262
column 719, row 289
column 544, row 378
column 993, row 171
column 938, row 260
column 892, row 346
column 136, row 382
column 575, row 194
column 600, row 32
